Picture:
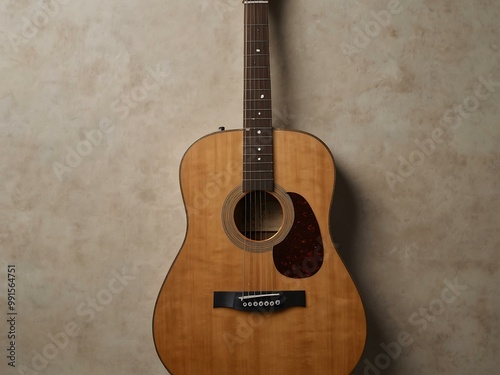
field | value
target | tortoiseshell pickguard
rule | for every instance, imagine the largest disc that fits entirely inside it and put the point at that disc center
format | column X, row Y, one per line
column 300, row 254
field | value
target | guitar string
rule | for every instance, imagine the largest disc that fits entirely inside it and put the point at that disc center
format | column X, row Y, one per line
column 249, row 139
column 258, row 193
column 258, row 186
column 267, row 84
column 248, row 132
column 245, row 146
column 263, row 193
column 257, row 214
column 259, row 82
column 258, row 167
column 250, row 83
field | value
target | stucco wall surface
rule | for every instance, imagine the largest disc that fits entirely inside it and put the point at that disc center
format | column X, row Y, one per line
column 100, row 99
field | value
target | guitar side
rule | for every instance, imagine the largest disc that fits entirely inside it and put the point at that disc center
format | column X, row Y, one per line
column 192, row 337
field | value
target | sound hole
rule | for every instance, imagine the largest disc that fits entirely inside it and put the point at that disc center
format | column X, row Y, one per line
column 258, row 215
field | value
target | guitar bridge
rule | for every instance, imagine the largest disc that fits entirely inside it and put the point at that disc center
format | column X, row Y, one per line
column 267, row 301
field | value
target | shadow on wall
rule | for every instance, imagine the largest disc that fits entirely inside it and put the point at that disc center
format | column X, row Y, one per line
column 279, row 65
column 345, row 225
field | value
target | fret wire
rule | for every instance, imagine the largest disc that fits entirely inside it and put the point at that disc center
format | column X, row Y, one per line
column 261, row 175
column 257, row 179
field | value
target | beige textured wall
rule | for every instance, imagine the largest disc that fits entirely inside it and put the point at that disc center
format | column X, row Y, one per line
column 99, row 100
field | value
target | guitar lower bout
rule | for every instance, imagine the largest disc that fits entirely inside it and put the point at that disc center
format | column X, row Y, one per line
column 236, row 301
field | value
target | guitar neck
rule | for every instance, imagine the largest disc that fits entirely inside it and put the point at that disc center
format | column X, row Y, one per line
column 257, row 108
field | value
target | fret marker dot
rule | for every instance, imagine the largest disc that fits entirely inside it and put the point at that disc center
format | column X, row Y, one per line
column 262, row 96
column 257, row 50
column 258, row 132
column 259, row 113
column 259, row 149
column 259, row 159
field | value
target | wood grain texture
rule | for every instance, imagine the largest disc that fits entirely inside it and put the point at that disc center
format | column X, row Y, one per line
column 327, row 337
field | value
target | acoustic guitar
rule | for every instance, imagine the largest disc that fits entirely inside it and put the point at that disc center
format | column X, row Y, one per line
column 258, row 287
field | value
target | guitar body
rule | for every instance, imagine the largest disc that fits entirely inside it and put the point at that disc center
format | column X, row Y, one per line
column 326, row 336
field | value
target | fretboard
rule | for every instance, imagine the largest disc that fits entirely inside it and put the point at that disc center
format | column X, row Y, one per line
column 258, row 168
